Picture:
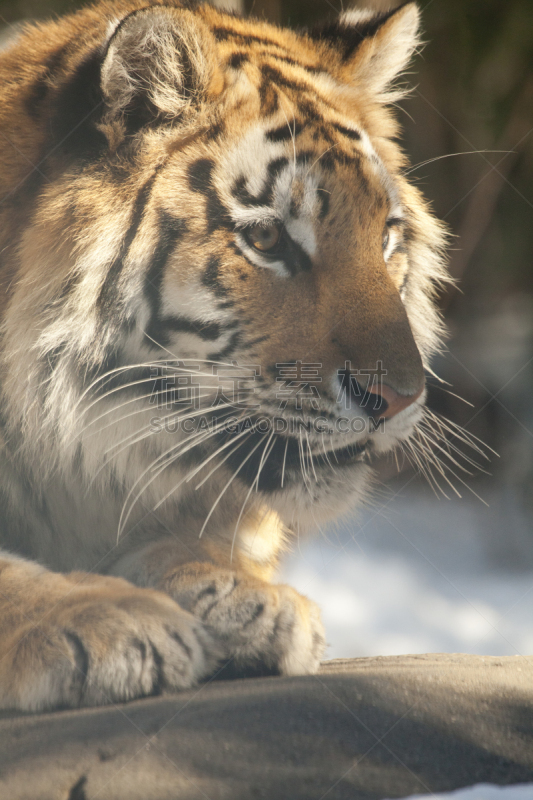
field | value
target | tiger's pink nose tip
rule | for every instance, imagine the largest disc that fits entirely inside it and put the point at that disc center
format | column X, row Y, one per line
column 380, row 401
column 384, row 402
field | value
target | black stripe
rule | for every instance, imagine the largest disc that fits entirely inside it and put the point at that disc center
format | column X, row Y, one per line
column 179, row 640
column 228, row 350
column 323, row 197
column 208, row 331
column 42, row 85
column 268, row 98
column 294, row 256
column 200, row 175
column 295, row 206
column 208, row 610
column 265, row 198
column 77, row 108
column 284, row 133
column 249, row 343
column 293, row 63
column 400, row 249
column 351, row 134
column 330, row 158
column 222, row 34
column 201, row 181
column 82, row 662
column 404, row 282
column 237, row 60
column 275, row 76
column 257, row 612
column 109, row 292
column 310, row 110
column 395, row 221
column 211, row 278
column 217, row 214
column 304, row 156
column 347, row 38
column 215, row 131
column 171, row 230
column 158, row 670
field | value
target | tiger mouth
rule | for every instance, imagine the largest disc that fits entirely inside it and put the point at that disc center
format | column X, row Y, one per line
column 352, row 452
column 273, row 463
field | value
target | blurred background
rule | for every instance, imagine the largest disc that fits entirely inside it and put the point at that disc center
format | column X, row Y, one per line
column 420, row 572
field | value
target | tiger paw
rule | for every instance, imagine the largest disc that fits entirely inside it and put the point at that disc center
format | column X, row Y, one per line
column 256, row 623
column 101, row 642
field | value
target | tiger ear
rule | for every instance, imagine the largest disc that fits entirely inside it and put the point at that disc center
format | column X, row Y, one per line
column 159, row 62
column 373, row 47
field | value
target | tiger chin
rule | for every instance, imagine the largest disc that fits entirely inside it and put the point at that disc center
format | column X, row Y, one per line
column 208, row 252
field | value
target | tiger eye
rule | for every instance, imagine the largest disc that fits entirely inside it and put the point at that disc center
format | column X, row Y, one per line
column 264, row 237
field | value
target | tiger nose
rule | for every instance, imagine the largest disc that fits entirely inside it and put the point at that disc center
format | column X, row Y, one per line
column 381, row 401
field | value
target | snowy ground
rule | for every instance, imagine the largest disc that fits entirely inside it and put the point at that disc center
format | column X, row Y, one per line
column 484, row 792
column 417, row 574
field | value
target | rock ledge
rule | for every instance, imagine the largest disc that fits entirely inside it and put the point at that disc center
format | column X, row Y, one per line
column 363, row 728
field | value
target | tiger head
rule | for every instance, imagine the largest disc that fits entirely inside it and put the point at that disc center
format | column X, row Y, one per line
column 220, row 229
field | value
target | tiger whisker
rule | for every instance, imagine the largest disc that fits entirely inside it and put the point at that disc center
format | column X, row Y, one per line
column 189, row 475
column 197, row 469
column 284, row 463
column 146, row 432
column 207, row 433
column 315, row 162
column 449, row 446
column 436, row 462
column 447, row 449
column 326, row 454
column 198, row 486
column 453, row 394
column 114, row 422
column 126, row 512
column 462, row 434
column 154, row 363
column 172, row 417
column 255, row 483
column 197, row 360
column 293, row 139
column 451, row 155
column 139, row 382
column 310, row 455
column 432, row 460
column 213, row 507
column 141, row 434
column 414, row 459
column 261, row 462
column 302, row 464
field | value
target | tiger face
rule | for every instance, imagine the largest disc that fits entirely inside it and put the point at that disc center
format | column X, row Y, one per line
column 229, row 204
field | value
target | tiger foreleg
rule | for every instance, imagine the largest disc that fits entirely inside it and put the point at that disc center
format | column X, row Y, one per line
column 82, row 639
column 255, row 622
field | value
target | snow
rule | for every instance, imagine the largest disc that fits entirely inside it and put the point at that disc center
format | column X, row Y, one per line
column 417, row 574
column 484, row 792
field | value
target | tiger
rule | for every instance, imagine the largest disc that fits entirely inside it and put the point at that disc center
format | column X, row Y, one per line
column 218, row 307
